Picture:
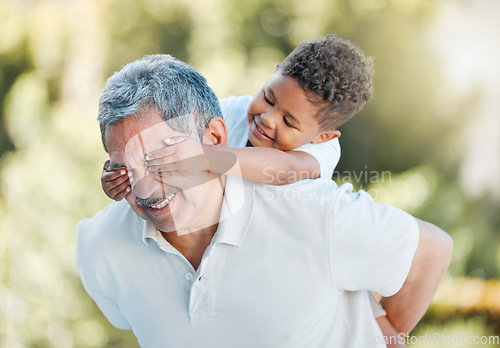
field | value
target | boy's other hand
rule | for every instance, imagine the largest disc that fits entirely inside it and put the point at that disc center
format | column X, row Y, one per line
column 115, row 183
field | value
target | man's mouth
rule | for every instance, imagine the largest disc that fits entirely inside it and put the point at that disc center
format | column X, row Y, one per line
column 155, row 203
column 163, row 203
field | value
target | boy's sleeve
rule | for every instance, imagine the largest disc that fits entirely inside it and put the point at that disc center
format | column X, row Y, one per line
column 372, row 244
column 234, row 111
column 224, row 106
column 327, row 154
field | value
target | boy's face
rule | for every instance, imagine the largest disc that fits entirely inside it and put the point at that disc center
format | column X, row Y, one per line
column 280, row 115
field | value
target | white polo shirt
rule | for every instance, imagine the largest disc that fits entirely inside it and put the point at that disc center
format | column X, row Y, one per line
column 234, row 110
column 284, row 269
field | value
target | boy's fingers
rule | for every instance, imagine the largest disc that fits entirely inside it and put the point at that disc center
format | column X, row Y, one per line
column 166, row 167
column 118, row 191
column 119, row 180
column 165, row 151
column 170, row 149
column 158, row 161
column 115, row 183
column 166, row 174
column 175, row 140
column 159, row 155
column 115, row 174
column 119, row 195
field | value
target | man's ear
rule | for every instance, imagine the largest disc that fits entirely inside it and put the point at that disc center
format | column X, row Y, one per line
column 325, row 136
column 216, row 132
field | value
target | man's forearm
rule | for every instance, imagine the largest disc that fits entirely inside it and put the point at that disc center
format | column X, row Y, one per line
column 431, row 260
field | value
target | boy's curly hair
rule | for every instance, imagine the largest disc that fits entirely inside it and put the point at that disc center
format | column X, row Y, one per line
column 335, row 75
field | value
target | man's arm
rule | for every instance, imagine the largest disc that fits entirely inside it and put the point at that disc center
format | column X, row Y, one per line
column 430, row 262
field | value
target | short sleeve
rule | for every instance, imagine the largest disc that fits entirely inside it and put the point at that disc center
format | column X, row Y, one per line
column 327, row 154
column 372, row 244
column 234, row 111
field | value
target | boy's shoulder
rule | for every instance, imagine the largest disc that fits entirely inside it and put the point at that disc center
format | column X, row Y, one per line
column 234, row 111
column 233, row 104
column 235, row 100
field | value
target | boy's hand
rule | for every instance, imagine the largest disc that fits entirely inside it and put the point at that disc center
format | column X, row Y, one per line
column 183, row 156
column 115, row 183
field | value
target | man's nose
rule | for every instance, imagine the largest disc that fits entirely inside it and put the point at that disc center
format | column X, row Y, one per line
column 145, row 186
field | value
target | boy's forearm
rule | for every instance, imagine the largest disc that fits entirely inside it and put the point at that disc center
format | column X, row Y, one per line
column 262, row 164
column 431, row 260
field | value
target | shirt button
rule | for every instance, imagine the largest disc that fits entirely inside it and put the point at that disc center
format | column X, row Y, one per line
column 189, row 276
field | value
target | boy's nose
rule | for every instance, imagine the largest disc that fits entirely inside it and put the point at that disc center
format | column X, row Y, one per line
column 269, row 119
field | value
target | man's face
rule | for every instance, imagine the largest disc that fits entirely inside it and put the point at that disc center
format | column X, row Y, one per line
column 178, row 203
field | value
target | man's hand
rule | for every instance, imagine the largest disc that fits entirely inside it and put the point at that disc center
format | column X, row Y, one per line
column 115, row 183
column 430, row 262
column 391, row 335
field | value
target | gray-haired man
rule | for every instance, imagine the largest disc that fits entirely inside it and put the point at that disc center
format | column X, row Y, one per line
column 222, row 262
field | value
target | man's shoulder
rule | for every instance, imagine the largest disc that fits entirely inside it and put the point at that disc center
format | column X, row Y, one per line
column 117, row 219
column 320, row 186
column 318, row 191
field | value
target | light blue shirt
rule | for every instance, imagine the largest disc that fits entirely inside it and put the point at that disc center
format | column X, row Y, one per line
column 289, row 266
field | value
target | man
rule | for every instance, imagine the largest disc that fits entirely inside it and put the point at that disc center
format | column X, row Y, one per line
column 204, row 261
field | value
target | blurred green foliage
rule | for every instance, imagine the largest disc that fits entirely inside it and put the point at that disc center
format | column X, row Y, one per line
column 55, row 57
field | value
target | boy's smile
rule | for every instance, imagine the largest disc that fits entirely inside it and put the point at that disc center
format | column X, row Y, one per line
column 281, row 116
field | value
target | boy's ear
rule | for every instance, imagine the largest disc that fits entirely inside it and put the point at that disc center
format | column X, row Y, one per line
column 325, row 136
column 216, row 132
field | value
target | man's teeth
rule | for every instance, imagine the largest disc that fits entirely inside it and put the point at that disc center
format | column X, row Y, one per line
column 163, row 203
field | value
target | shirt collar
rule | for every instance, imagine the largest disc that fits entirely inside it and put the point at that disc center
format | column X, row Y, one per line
column 236, row 212
column 149, row 231
column 237, row 209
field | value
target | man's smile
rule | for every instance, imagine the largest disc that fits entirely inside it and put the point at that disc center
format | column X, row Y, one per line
column 163, row 203
column 157, row 206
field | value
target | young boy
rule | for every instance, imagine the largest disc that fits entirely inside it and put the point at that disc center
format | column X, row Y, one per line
column 290, row 129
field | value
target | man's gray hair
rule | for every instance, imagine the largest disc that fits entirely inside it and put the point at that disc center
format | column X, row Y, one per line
column 162, row 82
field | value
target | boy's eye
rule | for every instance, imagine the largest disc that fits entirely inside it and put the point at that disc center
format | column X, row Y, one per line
column 267, row 100
column 288, row 124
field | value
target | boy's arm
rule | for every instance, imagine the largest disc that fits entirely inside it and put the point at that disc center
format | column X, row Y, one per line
column 264, row 164
column 430, row 262
column 258, row 164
